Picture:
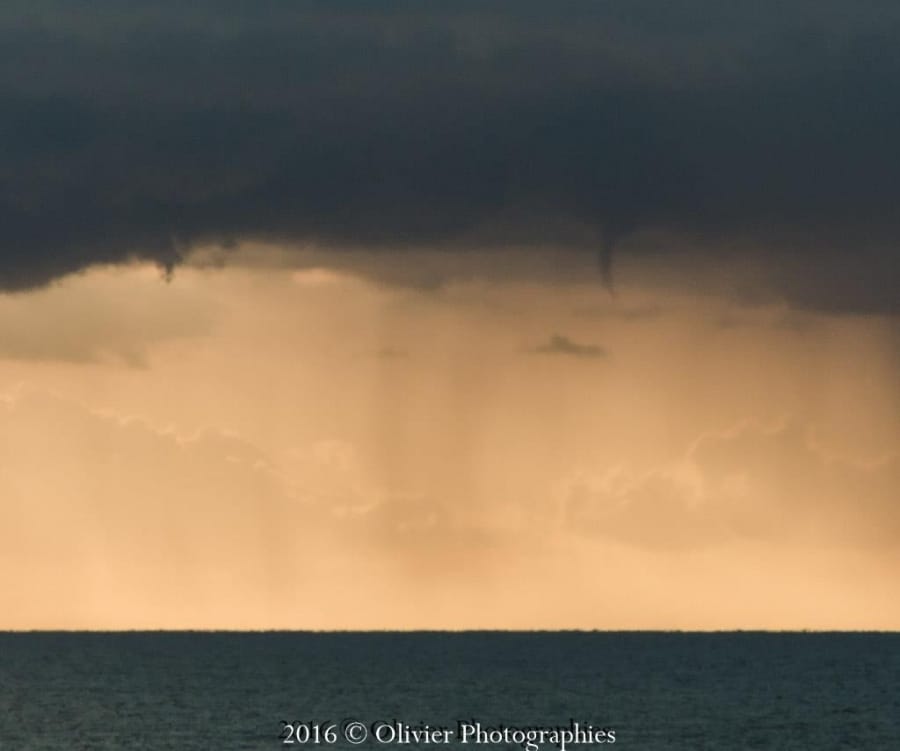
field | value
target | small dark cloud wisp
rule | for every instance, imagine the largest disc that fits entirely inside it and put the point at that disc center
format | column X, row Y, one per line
column 562, row 345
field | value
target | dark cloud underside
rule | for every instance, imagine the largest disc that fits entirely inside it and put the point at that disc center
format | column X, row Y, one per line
column 129, row 130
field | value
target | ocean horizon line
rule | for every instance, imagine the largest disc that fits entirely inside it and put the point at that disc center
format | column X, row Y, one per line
column 464, row 631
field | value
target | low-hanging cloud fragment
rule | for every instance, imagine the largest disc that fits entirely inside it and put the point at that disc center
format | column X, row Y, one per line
column 562, row 345
column 135, row 132
column 102, row 317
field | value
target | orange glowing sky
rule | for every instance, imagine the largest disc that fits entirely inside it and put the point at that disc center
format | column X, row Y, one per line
column 304, row 446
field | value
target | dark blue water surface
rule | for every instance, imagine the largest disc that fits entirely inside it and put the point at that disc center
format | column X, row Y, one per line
column 190, row 691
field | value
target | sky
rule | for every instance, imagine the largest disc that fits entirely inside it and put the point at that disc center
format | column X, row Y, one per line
column 464, row 315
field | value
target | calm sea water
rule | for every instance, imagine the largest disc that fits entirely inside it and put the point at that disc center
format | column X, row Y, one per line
column 669, row 691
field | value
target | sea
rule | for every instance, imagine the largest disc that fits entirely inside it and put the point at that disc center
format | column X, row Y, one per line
column 467, row 691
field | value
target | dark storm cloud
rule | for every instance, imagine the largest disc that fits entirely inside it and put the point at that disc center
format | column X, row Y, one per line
column 130, row 129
